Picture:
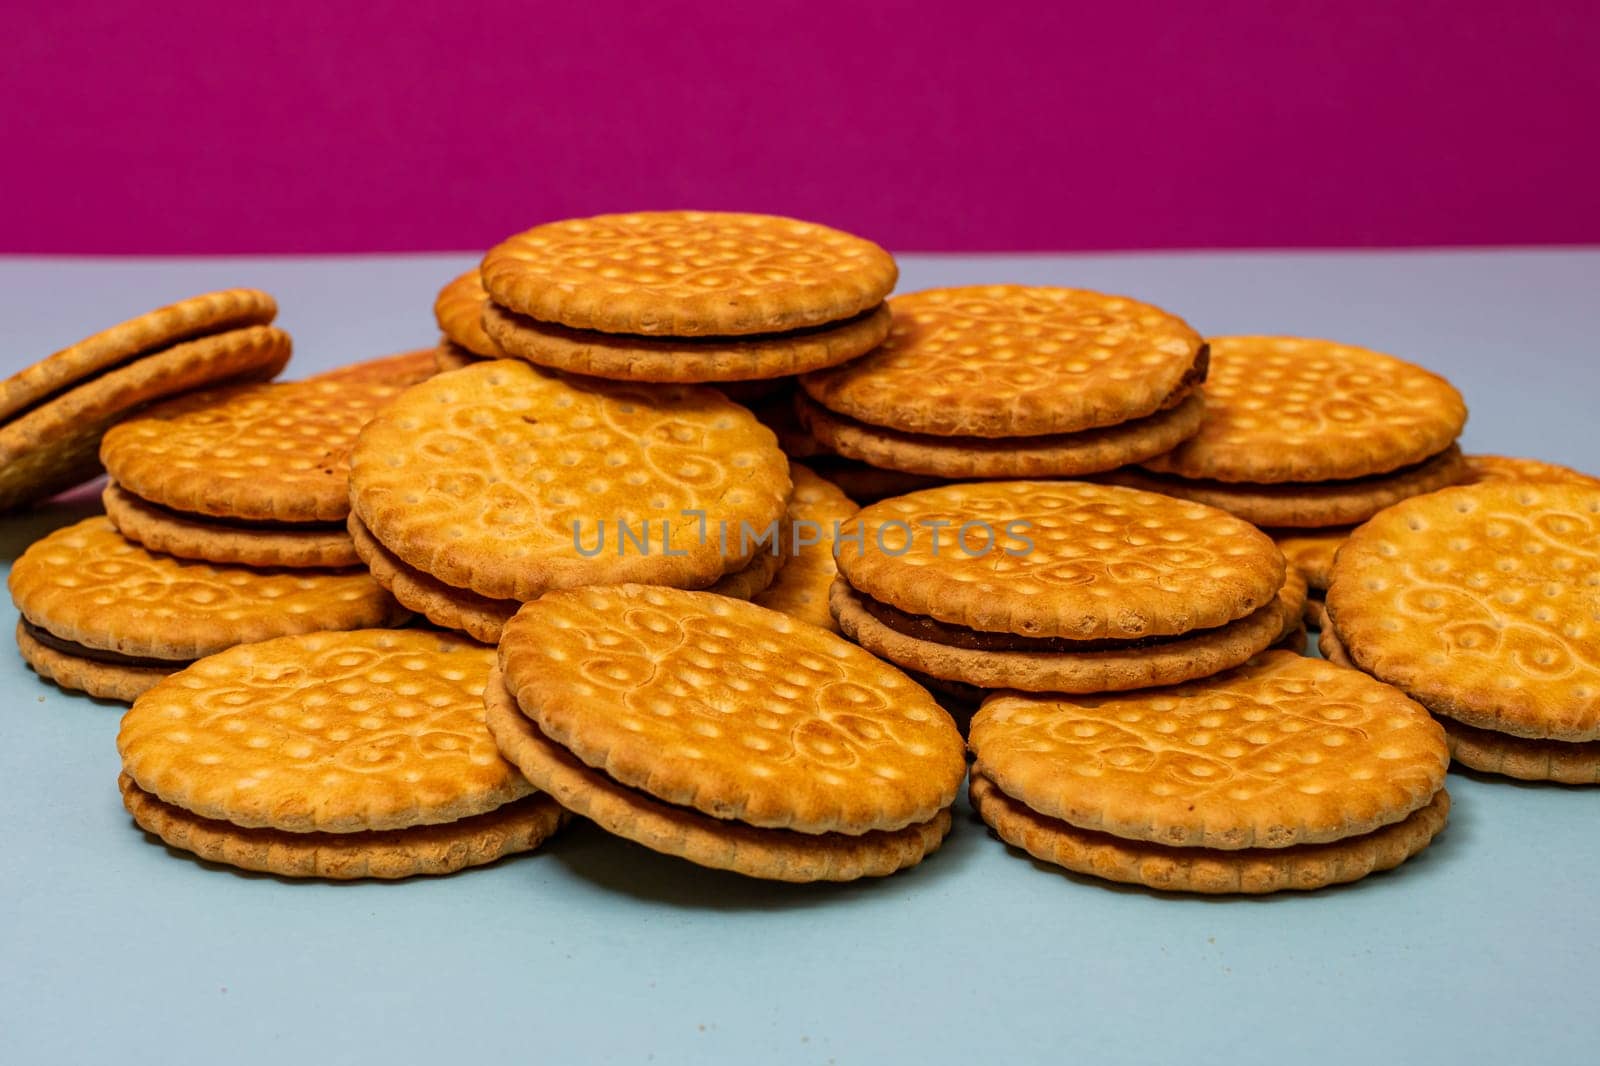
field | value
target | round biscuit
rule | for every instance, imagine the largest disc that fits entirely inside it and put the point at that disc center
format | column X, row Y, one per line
column 770, row 854
column 687, row 274
column 324, row 732
column 1292, row 409
column 1483, row 603
column 1256, row 871
column 1013, row 361
column 1059, row 559
column 1284, row 750
column 503, row 479
column 731, row 709
column 188, row 538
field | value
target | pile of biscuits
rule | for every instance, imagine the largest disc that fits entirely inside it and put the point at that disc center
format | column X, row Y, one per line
column 1092, row 533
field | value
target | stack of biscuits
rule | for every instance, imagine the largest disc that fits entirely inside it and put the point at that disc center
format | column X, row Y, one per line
column 1482, row 603
column 1070, row 587
column 590, row 472
column 1009, row 381
column 53, row 413
column 1309, row 438
column 224, row 514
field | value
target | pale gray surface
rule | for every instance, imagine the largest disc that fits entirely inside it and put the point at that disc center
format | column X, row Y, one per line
column 1483, row 950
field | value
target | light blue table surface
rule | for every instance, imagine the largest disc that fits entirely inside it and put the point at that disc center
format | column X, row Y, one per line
column 1484, row 949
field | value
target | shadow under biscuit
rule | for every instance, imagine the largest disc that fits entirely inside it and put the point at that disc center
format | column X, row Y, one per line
column 615, row 865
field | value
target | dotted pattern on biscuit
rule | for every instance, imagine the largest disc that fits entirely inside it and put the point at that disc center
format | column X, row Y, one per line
column 1284, row 750
column 278, row 452
column 1286, row 409
column 770, row 854
column 688, row 274
column 1092, row 561
column 1482, row 468
column 1483, row 603
column 478, row 477
column 327, row 732
column 1012, row 361
column 87, row 584
column 402, row 369
column 739, row 712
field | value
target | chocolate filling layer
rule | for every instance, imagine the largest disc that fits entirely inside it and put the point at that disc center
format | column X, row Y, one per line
column 98, row 655
column 953, row 636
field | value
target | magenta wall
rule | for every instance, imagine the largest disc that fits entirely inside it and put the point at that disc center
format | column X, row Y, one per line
column 306, row 126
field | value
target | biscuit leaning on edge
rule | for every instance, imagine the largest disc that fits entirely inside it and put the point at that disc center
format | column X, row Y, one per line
column 724, row 733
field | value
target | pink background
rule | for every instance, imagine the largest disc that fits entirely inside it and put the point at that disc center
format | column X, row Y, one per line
column 304, row 126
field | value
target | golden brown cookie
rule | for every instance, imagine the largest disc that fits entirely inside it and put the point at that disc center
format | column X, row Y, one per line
column 625, row 357
column 1316, row 613
column 497, row 478
column 1284, row 750
column 1291, row 409
column 215, row 312
column 273, row 452
column 51, row 446
column 459, row 311
column 800, row 590
column 1060, row 559
column 1483, row 603
column 191, row 537
column 688, row 274
column 867, row 484
column 519, row 826
column 1311, row 551
column 1062, row 455
column 1527, row 760
column 1113, row 667
column 443, row 605
column 324, row 732
column 722, row 844
column 1504, row 468
column 736, row 711
column 88, row 593
column 1015, row 361
column 1292, row 597
column 1309, row 504
column 1252, row 871
column 405, row 368
column 1329, row 647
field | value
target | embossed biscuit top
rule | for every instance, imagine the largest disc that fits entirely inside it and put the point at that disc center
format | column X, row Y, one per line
column 478, row 477
column 688, row 273
column 735, row 710
column 1483, row 603
column 277, row 452
column 1059, row 559
column 1283, row 750
column 1013, row 361
column 327, row 732
column 1290, row 409
column 459, row 312
column 85, row 583
column 1507, row 468
column 211, row 313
